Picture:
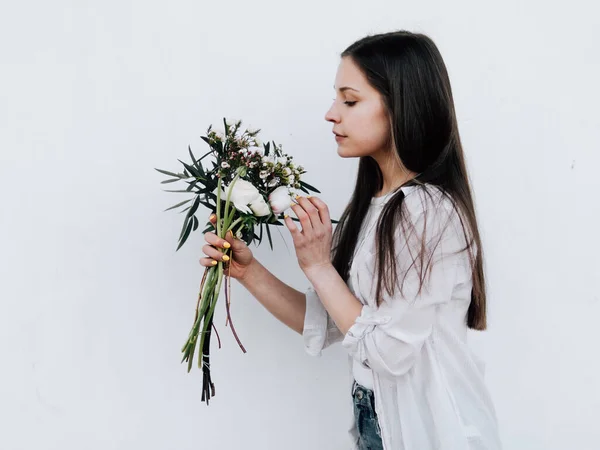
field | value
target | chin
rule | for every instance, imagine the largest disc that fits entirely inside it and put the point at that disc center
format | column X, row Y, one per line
column 345, row 153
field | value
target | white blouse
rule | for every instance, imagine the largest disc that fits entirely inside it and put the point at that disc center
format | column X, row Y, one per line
column 428, row 385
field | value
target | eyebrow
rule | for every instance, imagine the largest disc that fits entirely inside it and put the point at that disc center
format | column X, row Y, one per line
column 346, row 88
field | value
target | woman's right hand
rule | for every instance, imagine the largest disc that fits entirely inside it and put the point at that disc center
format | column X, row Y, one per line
column 240, row 256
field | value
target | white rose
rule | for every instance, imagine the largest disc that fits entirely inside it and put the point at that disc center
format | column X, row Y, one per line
column 280, row 199
column 282, row 160
column 259, row 207
column 291, row 179
column 242, row 194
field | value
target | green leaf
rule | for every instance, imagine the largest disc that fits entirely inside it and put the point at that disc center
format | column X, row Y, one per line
column 208, row 205
column 179, row 204
column 267, row 147
column 179, row 190
column 185, row 224
column 192, row 170
column 194, row 159
column 308, row 186
column 194, row 207
column 195, row 223
column 168, row 173
column 187, row 232
column 226, row 127
column 172, row 180
column 269, row 236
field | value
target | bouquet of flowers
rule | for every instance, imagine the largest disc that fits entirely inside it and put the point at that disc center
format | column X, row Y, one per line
column 248, row 187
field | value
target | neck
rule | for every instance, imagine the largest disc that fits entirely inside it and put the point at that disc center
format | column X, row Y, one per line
column 394, row 174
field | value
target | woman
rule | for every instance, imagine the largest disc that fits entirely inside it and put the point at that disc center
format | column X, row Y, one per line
column 401, row 279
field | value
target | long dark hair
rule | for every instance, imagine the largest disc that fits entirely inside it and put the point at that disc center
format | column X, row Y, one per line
column 408, row 71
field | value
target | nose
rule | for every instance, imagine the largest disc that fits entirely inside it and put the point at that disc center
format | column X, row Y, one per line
column 332, row 115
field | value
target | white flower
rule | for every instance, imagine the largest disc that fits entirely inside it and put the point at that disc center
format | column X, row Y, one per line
column 259, row 207
column 242, row 194
column 264, row 174
column 282, row 160
column 225, row 165
column 280, row 199
column 268, row 159
column 252, row 165
column 291, row 179
column 287, row 171
column 274, row 182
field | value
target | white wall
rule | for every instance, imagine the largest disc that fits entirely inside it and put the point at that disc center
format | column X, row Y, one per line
column 95, row 304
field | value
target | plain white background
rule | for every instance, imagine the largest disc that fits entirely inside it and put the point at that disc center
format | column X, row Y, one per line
column 95, row 304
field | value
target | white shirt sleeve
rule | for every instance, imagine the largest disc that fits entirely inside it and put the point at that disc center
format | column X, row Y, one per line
column 320, row 331
column 388, row 339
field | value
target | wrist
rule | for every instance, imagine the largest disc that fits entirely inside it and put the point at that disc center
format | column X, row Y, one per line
column 320, row 271
column 250, row 271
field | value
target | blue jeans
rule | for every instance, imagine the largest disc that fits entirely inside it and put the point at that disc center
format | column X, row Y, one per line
column 366, row 418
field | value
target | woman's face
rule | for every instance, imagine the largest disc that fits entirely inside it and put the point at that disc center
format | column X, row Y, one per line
column 358, row 114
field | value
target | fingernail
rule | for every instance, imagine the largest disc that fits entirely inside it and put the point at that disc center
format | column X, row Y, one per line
column 226, row 244
column 285, row 216
column 212, row 216
column 308, row 196
column 297, row 197
column 225, row 258
column 214, row 263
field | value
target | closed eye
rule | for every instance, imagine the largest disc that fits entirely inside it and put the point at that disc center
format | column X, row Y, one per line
column 350, row 103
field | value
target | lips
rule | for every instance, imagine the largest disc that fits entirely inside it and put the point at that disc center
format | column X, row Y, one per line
column 339, row 135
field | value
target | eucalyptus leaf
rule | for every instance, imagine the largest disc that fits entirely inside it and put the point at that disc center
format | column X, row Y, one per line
column 194, row 207
column 269, row 236
column 186, row 234
column 168, row 173
column 179, row 204
column 185, row 224
column 308, row 186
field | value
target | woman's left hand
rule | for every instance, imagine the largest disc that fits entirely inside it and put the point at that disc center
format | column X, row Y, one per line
column 313, row 242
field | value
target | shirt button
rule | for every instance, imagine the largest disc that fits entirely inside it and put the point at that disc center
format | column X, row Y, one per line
column 359, row 395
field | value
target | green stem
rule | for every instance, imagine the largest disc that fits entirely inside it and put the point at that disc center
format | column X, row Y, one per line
column 213, row 296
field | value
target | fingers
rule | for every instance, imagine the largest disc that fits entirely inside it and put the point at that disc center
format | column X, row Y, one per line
column 215, row 240
column 289, row 223
column 306, row 213
column 215, row 254
column 213, row 219
column 208, row 262
column 322, row 209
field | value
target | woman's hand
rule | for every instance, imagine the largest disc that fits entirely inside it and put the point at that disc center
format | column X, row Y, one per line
column 239, row 258
column 313, row 242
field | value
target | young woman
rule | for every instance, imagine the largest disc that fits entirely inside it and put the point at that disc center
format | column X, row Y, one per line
column 401, row 279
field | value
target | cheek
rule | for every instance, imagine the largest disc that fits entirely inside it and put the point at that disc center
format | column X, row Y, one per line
column 373, row 131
